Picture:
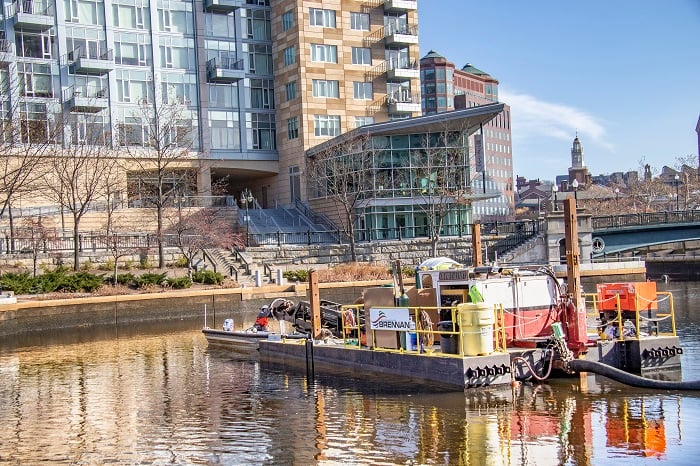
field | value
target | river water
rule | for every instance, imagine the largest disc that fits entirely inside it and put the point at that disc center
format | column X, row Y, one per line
column 160, row 396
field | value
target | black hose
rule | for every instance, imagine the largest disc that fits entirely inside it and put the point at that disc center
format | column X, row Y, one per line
column 581, row 365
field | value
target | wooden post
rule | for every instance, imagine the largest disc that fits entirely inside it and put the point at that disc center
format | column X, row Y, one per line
column 477, row 260
column 577, row 334
column 315, row 303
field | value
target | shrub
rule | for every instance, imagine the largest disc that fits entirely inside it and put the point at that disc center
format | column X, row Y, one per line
column 129, row 264
column 125, row 278
column 82, row 281
column 207, row 277
column 180, row 283
column 297, row 275
column 107, row 265
column 149, row 279
column 145, row 263
column 87, row 266
column 20, row 283
column 181, row 262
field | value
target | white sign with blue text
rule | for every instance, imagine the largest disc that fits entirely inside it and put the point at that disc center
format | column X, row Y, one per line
column 391, row 318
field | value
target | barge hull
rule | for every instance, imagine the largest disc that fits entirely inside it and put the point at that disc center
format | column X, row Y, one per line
column 450, row 372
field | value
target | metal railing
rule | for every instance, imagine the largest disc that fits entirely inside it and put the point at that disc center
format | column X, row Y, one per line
column 649, row 218
column 645, row 319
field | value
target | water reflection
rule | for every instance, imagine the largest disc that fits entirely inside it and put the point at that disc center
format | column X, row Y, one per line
column 156, row 397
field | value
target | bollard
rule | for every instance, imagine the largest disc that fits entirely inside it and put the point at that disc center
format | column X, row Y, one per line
column 280, row 277
column 258, row 279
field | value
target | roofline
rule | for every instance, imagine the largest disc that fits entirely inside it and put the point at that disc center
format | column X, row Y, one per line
column 447, row 121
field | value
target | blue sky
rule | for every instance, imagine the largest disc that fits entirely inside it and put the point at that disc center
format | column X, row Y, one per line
column 624, row 73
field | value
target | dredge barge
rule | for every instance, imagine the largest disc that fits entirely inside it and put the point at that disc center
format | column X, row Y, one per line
column 486, row 326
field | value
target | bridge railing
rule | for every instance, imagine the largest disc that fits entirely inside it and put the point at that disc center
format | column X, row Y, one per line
column 648, row 218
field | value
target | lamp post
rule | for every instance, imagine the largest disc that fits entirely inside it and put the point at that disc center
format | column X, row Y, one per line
column 677, row 178
column 246, row 200
column 555, row 188
column 574, row 185
column 617, row 193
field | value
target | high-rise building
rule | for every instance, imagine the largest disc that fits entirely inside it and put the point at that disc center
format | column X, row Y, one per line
column 339, row 65
column 260, row 81
column 445, row 88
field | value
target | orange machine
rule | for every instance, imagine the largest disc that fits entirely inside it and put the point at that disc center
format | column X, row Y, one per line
column 634, row 296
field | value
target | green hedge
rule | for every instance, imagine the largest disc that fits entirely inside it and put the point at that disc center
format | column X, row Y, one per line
column 49, row 282
column 207, row 277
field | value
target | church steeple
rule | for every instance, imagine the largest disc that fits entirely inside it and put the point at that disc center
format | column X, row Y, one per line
column 578, row 170
column 577, row 154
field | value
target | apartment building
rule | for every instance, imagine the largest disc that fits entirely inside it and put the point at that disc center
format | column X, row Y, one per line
column 445, row 88
column 339, row 65
column 259, row 81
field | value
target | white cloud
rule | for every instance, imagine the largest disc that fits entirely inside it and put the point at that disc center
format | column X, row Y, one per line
column 534, row 119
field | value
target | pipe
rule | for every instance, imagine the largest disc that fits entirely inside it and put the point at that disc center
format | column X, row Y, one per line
column 581, row 365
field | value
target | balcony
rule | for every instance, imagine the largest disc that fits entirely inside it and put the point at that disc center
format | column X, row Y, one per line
column 402, row 101
column 402, row 69
column 85, row 99
column 89, row 62
column 395, row 6
column 7, row 51
column 222, row 6
column 31, row 14
column 225, row 70
column 401, row 35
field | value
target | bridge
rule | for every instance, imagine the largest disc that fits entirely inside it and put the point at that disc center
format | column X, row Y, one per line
column 615, row 234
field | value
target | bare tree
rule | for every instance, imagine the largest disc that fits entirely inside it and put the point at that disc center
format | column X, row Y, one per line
column 35, row 234
column 342, row 174
column 27, row 137
column 158, row 141
column 442, row 183
column 75, row 177
column 200, row 229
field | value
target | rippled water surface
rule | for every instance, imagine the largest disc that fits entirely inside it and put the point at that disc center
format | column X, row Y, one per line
column 160, row 396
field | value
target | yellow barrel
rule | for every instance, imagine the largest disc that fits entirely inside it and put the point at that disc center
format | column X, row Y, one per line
column 476, row 325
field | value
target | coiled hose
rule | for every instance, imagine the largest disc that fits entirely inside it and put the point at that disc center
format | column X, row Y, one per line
column 581, row 365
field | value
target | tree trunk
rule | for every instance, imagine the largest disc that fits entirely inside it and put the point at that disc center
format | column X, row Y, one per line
column 159, row 237
column 12, row 229
column 76, row 243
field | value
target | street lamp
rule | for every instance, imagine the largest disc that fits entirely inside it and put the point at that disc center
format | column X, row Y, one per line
column 617, row 193
column 246, row 200
column 677, row 178
column 555, row 188
column 574, row 185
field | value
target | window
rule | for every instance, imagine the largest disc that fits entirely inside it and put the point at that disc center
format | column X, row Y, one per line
column 363, row 120
column 326, row 125
column 35, row 79
column 290, row 90
column 258, row 25
column 287, row 20
column 322, row 18
column 132, row 49
column 262, row 93
column 224, row 130
column 262, row 126
column 361, row 56
column 362, row 90
column 260, row 58
column 289, row 56
column 324, row 53
column 131, row 16
column 134, row 86
column 292, row 128
column 359, row 21
column 35, row 45
column 223, row 95
column 325, row 88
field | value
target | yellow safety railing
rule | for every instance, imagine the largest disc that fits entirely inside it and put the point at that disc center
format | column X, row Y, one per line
column 425, row 330
column 651, row 321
